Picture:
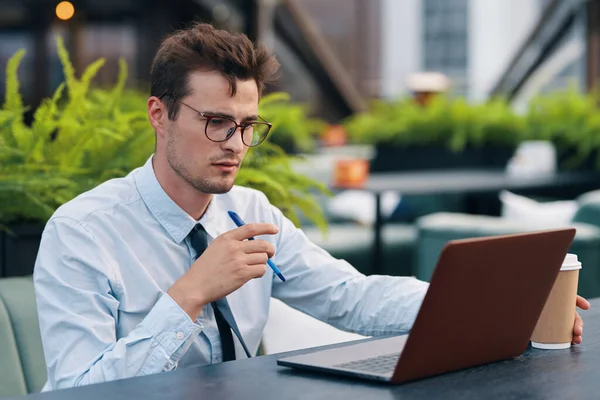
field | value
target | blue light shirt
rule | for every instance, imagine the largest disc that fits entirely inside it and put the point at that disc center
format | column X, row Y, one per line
column 108, row 257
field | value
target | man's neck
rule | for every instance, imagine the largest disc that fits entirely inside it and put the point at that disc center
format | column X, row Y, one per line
column 193, row 202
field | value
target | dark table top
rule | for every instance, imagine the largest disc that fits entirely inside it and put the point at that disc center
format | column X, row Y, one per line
column 537, row 374
column 455, row 181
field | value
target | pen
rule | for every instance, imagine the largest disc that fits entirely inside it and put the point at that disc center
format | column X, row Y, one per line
column 238, row 221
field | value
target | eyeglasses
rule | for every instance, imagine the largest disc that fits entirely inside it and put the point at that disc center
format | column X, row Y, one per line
column 220, row 128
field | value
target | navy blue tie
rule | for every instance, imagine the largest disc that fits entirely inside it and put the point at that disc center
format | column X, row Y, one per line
column 223, row 315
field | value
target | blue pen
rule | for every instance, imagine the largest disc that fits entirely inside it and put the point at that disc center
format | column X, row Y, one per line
column 238, row 221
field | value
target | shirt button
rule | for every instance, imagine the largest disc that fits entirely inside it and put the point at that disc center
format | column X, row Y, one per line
column 179, row 335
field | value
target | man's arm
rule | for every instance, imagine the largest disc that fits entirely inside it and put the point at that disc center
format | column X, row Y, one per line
column 76, row 281
column 336, row 293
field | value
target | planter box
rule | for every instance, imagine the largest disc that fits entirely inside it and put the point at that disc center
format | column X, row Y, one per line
column 412, row 158
column 19, row 248
column 566, row 156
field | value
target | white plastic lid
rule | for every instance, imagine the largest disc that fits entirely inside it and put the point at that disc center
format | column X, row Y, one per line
column 570, row 263
column 551, row 346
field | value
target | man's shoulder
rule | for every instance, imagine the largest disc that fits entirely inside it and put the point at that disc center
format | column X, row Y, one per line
column 101, row 199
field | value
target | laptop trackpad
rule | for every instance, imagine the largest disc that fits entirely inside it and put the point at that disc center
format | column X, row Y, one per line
column 349, row 354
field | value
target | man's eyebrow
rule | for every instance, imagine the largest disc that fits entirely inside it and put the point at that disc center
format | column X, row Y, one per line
column 225, row 115
column 219, row 114
column 250, row 118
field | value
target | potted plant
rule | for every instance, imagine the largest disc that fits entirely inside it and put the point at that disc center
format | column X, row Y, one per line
column 570, row 120
column 82, row 136
column 451, row 132
column 447, row 133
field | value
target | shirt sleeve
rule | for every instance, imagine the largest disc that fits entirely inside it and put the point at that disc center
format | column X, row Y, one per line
column 75, row 284
column 334, row 292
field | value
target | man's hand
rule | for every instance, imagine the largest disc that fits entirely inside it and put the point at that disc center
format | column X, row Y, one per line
column 578, row 326
column 227, row 264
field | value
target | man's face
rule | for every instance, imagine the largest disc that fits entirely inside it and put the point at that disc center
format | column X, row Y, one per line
column 208, row 166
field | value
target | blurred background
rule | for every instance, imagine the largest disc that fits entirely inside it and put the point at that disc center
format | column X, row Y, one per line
column 459, row 97
column 336, row 54
column 398, row 124
column 369, row 91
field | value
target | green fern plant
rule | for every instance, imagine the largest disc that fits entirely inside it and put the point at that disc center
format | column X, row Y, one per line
column 451, row 122
column 293, row 130
column 268, row 168
column 571, row 120
column 82, row 136
column 568, row 118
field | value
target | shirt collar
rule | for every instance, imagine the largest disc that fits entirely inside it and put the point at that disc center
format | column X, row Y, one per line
column 173, row 218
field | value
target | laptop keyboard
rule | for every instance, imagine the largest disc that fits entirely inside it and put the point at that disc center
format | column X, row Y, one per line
column 378, row 365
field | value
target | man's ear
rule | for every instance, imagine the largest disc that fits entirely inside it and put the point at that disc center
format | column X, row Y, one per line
column 157, row 115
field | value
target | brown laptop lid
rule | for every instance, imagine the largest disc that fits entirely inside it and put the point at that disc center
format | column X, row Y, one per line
column 504, row 282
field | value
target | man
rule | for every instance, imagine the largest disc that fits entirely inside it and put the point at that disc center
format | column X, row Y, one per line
column 124, row 281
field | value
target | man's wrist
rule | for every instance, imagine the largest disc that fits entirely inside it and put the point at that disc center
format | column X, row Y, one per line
column 187, row 300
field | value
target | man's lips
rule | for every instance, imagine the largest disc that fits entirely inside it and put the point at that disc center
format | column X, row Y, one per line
column 226, row 166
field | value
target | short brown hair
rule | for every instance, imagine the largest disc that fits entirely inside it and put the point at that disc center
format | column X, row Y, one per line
column 201, row 47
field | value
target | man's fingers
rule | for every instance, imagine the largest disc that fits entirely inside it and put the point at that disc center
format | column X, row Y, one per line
column 578, row 321
column 257, row 270
column 259, row 246
column 582, row 303
column 257, row 258
column 250, row 230
column 578, row 325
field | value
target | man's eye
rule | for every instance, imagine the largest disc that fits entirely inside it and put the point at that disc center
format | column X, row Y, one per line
column 217, row 122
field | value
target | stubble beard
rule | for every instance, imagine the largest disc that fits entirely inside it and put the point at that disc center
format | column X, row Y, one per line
column 217, row 185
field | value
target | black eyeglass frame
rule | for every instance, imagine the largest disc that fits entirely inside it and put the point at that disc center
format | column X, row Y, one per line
column 243, row 126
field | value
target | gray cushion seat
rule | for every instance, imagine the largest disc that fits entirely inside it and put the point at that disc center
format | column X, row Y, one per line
column 435, row 230
column 22, row 365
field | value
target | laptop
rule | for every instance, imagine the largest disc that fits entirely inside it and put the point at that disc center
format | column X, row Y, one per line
column 485, row 297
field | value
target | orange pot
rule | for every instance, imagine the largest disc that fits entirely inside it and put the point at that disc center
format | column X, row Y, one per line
column 351, row 172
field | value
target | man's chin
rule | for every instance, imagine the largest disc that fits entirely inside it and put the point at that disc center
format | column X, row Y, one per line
column 215, row 187
column 223, row 190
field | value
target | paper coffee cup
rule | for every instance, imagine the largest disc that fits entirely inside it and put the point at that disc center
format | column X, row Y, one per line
column 554, row 329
